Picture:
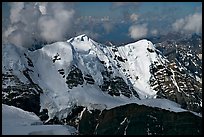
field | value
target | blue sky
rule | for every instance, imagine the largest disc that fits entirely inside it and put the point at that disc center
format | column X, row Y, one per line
column 104, row 8
column 100, row 9
column 123, row 21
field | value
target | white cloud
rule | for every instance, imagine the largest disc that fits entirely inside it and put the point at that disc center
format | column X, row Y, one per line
column 15, row 14
column 56, row 24
column 178, row 25
column 9, row 30
column 108, row 26
column 134, row 17
column 38, row 21
column 138, row 31
column 20, row 38
column 191, row 23
column 154, row 32
column 49, row 28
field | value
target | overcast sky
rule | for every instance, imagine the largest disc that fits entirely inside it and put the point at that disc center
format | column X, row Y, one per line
column 23, row 23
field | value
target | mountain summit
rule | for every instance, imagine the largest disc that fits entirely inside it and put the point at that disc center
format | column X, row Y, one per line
column 61, row 77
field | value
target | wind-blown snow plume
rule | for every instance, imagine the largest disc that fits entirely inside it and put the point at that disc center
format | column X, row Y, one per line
column 46, row 22
column 191, row 23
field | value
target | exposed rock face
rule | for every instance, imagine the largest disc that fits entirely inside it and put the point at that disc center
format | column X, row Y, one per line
column 174, row 84
column 72, row 118
column 116, row 86
column 89, row 79
column 190, row 61
column 29, row 61
column 74, row 77
column 180, row 79
column 184, row 51
column 133, row 119
column 23, row 95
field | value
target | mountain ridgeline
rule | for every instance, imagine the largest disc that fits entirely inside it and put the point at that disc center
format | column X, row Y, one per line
column 102, row 89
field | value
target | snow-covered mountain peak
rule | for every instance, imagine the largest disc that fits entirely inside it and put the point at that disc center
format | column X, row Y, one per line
column 82, row 43
column 144, row 43
column 82, row 72
column 138, row 57
column 142, row 47
column 82, row 37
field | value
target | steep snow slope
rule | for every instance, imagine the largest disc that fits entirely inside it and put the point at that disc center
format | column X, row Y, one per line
column 140, row 55
column 89, row 54
column 16, row 121
column 130, row 61
column 57, row 97
column 47, row 69
column 13, row 59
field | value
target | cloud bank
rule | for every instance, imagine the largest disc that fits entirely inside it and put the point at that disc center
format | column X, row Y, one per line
column 191, row 24
column 44, row 22
column 138, row 31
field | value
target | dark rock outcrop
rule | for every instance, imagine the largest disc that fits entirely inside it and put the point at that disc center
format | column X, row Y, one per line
column 22, row 95
column 133, row 119
column 115, row 86
column 174, row 84
column 75, row 77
